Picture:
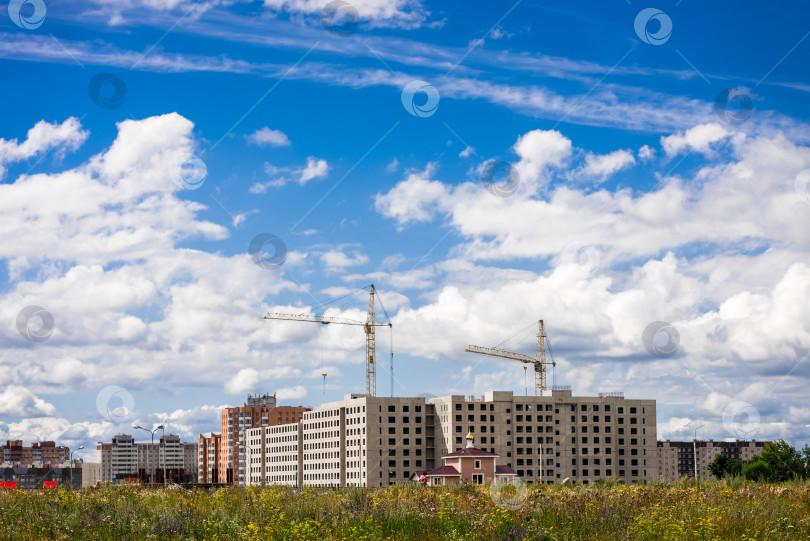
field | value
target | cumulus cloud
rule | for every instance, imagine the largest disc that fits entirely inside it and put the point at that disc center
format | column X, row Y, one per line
column 16, row 401
column 600, row 167
column 315, row 168
column 698, row 139
column 646, row 153
column 416, row 199
column 268, row 137
column 337, row 259
column 540, row 150
column 44, row 136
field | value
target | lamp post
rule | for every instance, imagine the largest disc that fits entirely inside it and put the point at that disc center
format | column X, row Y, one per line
column 71, row 463
column 152, row 433
column 161, row 427
column 694, row 449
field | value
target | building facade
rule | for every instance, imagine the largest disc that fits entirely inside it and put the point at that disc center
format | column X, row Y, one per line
column 377, row 441
column 123, row 458
column 557, row 436
column 676, row 459
column 257, row 412
column 274, row 455
column 43, row 454
column 208, row 458
column 119, row 458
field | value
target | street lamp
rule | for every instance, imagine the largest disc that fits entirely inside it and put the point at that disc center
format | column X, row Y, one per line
column 152, row 433
column 694, row 449
column 71, row 463
column 161, row 427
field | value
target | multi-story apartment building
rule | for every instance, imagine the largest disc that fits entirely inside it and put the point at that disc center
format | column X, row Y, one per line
column 549, row 438
column 119, row 459
column 258, row 411
column 677, row 458
column 274, row 455
column 40, row 454
column 208, row 459
column 124, row 458
column 376, row 441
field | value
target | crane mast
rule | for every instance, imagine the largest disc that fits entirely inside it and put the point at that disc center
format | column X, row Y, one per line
column 539, row 361
column 371, row 347
column 368, row 327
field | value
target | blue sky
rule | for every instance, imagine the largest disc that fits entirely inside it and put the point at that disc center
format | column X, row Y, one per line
column 637, row 199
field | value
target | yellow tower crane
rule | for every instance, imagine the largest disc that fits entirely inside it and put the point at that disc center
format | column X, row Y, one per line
column 539, row 361
column 368, row 327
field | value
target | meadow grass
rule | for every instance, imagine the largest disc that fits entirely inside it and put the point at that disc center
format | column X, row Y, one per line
column 661, row 511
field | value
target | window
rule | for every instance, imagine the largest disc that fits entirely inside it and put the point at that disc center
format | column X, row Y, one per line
column 478, row 478
column 392, row 408
column 404, row 409
column 477, row 464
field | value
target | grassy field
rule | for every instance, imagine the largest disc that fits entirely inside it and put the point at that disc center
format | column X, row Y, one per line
column 722, row 510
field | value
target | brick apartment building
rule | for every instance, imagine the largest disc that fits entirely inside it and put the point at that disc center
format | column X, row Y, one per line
column 377, row 441
column 258, row 411
column 208, row 458
column 39, row 454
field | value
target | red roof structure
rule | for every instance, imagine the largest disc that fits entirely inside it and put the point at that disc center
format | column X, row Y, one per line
column 469, row 451
column 444, row 471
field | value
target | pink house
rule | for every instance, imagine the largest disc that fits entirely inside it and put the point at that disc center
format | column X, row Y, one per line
column 468, row 465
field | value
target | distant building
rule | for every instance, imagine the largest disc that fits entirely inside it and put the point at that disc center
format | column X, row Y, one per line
column 208, row 459
column 119, row 458
column 258, row 411
column 377, row 441
column 123, row 458
column 677, row 458
column 274, row 455
column 44, row 454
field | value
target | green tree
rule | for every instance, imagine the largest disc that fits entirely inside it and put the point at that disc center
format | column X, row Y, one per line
column 719, row 465
column 758, row 470
column 785, row 462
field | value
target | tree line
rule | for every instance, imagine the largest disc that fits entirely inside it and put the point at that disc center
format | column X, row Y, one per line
column 778, row 461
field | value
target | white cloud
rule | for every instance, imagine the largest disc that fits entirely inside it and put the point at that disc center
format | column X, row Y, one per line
column 416, row 199
column 601, row 166
column 646, row 153
column 392, row 165
column 244, row 381
column 291, row 393
column 698, row 139
column 467, row 152
column 266, row 136
column 16, row 401
column 379, row 13
column 337, row 259
column 44, row 136
column 316, row 168
column 540, row 150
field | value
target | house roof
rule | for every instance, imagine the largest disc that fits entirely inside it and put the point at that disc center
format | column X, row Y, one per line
column 444, row 471
column 469, row 451
column 504, row 470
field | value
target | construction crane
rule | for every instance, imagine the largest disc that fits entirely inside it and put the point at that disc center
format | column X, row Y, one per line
column 539, row 361
column 368, row 327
